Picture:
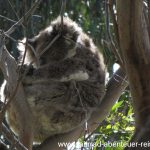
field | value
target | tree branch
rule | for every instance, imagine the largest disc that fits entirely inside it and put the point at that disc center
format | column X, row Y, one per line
column 115, row 87
column 9, row 69
column 135, row 46
column 17, row 97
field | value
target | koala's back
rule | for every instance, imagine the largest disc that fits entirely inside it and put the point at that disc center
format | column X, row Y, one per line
column 58, row 108
column 65, row 89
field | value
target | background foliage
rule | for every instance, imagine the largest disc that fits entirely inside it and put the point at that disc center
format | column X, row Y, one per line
column 91, row 16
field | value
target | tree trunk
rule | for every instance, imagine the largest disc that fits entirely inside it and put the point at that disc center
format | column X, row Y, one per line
column 135, row 47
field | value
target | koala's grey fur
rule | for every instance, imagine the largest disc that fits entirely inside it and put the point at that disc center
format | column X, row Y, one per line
column 65, row 84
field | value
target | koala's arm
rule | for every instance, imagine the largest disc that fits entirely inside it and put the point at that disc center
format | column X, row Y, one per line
column 68, row 69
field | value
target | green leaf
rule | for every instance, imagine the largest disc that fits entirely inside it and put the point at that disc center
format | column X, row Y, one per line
column 117, row 105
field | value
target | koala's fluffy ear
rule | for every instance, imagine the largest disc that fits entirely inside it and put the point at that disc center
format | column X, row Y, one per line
column 31, row 48
column 21, row 44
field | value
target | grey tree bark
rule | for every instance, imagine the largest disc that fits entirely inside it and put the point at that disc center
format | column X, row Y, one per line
column 135, row 47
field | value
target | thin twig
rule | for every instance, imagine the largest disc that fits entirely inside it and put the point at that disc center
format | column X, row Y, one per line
column 10, row 136
column 123, row 79
column 63, row 6
column 27, row 15
column 49, row 45
column 6, row 18
column 24, row 55
column 11, row 38
column 13, row 9
column 113, row 16
column 3, row 146
column 112, row 44
column 86, row 130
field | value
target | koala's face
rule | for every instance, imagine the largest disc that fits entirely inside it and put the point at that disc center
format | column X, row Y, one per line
column 49, row 44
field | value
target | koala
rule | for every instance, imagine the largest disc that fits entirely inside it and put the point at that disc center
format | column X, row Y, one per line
column 65, row 81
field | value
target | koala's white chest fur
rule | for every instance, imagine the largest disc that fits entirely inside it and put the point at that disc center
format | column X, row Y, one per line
column 77, row 76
